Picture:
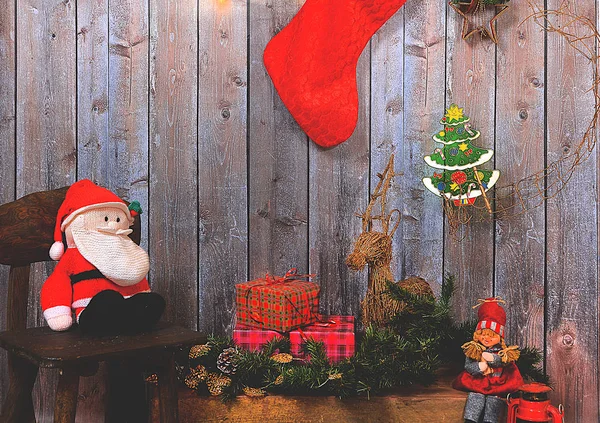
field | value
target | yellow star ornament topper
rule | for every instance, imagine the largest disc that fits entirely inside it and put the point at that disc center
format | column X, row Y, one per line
column 454, row 113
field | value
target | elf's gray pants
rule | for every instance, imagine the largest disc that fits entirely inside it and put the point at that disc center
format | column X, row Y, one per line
column 488, row 405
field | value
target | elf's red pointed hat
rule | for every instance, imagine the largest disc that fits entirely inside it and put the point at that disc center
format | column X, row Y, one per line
column 491, row 315
column 82, row 196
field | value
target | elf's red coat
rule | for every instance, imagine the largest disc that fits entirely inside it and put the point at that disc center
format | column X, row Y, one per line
column 509, row 381
column 58, row 291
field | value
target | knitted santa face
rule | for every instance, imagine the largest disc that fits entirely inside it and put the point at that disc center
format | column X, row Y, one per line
column 96, row 222
column 100, row 235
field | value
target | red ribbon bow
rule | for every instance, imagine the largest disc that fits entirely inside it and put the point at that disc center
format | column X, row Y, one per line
column 290, row 275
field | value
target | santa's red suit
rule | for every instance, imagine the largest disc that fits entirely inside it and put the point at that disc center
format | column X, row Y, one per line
column 73, row 284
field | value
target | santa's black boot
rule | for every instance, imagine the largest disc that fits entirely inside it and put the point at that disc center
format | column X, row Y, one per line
column 103, row 315
column 143, row 311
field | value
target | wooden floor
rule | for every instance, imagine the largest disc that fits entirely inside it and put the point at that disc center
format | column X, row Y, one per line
column 438, row 403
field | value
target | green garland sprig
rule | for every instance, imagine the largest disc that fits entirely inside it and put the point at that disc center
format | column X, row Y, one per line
column 404, row 353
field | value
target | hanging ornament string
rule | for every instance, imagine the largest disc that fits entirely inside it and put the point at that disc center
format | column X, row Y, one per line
column 481, row 301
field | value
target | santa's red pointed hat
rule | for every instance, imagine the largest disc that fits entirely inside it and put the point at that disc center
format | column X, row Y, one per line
column 82, row 196
column 491, row 315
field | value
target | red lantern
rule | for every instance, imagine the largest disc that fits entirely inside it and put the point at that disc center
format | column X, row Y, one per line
column 534, row 406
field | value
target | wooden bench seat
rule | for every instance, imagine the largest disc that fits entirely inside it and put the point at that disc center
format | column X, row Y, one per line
column 46, row 348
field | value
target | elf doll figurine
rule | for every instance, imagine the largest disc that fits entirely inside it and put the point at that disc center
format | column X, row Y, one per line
column 490, row 370
column 101, row 275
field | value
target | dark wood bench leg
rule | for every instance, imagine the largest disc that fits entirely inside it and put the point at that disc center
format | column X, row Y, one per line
column 65, row 404
column 18, row 405
column 126, row 393
column 167, row 391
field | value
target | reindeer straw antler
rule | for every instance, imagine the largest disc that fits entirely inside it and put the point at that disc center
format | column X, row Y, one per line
column 380, row 193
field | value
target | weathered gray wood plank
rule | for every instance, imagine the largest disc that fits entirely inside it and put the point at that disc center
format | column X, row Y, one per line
column 277, row 159
column 520, row 241
column 339, row 187
column 92, row 148
column 572, row 244
column 387, row 117
column 126, row 159
column 8, row 77
column 173, row 212
column 222, row 178
column 46, row 154
column 93, row 158
column 471, row 75
column 424, row 84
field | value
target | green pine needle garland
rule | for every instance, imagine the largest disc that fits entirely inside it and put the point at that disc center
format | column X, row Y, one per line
column 404, row 353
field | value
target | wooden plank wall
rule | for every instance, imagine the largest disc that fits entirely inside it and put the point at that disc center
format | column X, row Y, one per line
column 8, row 79
column 168, row 102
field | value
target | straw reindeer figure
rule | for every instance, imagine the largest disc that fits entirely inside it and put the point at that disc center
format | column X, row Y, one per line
column 374, row 249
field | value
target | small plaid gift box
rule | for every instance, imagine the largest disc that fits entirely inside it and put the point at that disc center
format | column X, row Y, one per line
column 253, row 339
column 336, row 332
column 278, row 303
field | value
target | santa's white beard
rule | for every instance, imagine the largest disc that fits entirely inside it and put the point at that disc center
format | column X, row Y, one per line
column 118, row 258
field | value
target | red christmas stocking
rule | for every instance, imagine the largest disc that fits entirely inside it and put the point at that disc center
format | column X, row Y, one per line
column 312, row 63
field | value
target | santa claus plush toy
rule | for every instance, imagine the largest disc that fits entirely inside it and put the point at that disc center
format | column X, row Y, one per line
column 101, row 275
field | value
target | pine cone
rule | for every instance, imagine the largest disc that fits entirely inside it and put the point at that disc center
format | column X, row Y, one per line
column 228, row 360
column 202, row 372
column 279, row 380
column 216, row 383
column 195, row 377
column 198, row 351
column 282, row 358
column 334, row 375
column 253, row 392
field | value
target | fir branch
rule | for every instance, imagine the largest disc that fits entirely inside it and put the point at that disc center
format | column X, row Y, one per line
column 278, row 343
column 448, row 288
column 529, row 364
column 254, row 368
column 316, row 352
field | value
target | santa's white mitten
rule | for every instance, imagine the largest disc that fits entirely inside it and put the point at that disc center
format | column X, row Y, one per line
column 59, row 318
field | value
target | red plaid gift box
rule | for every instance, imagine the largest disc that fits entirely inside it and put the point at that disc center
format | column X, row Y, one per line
column 336, row 332
column 253, row 339
column 281, row 304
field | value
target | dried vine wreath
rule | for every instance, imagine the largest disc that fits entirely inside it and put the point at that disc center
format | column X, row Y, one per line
column 512, row 200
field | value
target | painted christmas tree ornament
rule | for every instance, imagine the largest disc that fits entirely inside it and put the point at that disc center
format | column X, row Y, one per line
column 461, row 180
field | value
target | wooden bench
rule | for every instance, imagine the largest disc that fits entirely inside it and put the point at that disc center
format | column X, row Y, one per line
column 26, row 233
